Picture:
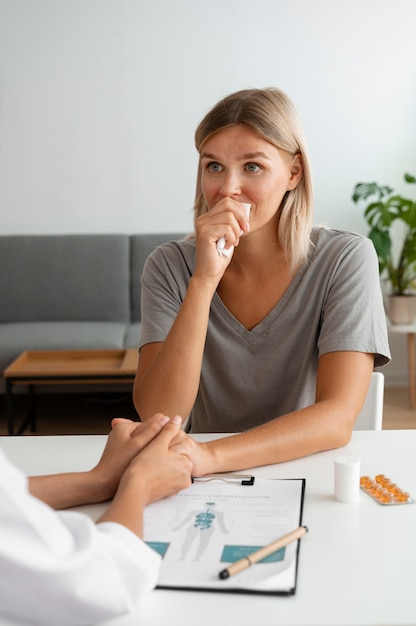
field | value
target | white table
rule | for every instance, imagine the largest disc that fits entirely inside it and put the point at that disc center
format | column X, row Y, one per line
column 410, row 331
column 357, row 564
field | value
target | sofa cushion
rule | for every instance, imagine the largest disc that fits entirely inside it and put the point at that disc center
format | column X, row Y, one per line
column 64, row 277
column 132, row 335
column 18, row 337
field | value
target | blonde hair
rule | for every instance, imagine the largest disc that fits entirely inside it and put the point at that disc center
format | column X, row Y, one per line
column 271, row 115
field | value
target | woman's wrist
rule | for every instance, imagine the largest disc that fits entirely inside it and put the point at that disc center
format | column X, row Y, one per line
column 220, row 455
column 127, row 507
column 205, row 460
column 202, row 286
column 100, row 487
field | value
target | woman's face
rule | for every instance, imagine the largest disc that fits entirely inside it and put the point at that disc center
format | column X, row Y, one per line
column 239, row 164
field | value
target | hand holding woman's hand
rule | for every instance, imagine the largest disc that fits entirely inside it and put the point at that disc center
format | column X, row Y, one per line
column 159, row 470
column 197, row 452
column 124, row 442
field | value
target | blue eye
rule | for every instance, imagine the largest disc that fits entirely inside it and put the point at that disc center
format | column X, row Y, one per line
column 214, row 167
column 253, row 167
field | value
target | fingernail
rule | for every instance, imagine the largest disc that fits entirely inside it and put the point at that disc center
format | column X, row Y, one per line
column 164, row 420
column 177, row 419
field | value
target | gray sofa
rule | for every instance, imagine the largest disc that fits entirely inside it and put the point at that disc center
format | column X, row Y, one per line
column 71, row 291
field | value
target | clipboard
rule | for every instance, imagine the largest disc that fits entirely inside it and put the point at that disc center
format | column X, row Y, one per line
column 242, row 479
column 220, row 519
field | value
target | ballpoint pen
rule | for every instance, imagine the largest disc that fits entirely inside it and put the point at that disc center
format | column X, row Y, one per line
column 262, row 553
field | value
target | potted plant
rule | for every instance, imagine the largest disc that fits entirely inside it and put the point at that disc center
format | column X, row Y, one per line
column 392, row 222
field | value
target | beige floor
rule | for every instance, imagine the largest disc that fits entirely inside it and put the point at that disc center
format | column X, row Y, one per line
column 87, row 413
column 397, row 413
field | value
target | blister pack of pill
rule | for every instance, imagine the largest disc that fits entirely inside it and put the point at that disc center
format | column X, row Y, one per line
column 384, row 491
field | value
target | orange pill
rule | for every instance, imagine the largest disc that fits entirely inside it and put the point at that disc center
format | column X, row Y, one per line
column 384, row 490
column 377, row 491
column 403, row 496
column 386, row 496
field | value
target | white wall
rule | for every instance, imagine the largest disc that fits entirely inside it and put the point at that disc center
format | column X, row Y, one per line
column 99, row 100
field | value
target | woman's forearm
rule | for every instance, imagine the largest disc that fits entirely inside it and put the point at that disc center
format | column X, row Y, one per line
column 127, row 509
column 168, row 381
column 61, row 491
column 307, row 431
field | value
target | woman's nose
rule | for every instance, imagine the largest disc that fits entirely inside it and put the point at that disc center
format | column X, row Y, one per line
column 231, row 184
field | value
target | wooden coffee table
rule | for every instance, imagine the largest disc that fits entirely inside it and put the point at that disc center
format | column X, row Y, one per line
column 68, row 367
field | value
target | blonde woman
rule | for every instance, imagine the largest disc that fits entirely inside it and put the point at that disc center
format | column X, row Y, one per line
column 275, row 339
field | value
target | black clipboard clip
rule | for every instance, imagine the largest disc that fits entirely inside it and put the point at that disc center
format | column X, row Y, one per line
column 243, row 479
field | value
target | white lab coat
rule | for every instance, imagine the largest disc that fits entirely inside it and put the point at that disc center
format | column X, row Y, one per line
column 60, row 568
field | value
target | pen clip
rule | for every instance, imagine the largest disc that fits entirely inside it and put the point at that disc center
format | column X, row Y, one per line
column 243, row 479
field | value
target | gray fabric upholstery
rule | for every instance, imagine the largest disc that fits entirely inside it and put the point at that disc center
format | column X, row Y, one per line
column 64, row 277
column 132, row 335
column 70, row 292
column 20, row 336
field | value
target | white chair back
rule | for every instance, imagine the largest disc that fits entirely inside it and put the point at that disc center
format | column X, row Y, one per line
column 371, row 415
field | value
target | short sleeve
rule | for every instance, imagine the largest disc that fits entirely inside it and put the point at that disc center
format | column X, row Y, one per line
column 353, row 316
column 165, row 280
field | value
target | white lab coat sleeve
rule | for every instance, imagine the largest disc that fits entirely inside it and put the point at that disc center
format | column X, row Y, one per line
column 60, row 567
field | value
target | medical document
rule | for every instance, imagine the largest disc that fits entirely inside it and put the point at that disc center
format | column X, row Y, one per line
column 212, row 524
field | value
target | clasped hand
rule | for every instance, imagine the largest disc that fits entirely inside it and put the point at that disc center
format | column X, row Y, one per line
column 129, row 439
column 144, row 451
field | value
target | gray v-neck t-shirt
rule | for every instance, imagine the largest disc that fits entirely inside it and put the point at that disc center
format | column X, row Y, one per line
column 334, row 303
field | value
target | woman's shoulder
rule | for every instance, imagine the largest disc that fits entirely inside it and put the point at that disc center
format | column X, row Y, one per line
column 175, row 253
column 325, row 237
column 335, row 248
column 174, row 247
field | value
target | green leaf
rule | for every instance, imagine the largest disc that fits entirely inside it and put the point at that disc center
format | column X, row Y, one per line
column 362, row 191
column 409, row 249
column 382, row 243
column 380, row 215
column 408, row 215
